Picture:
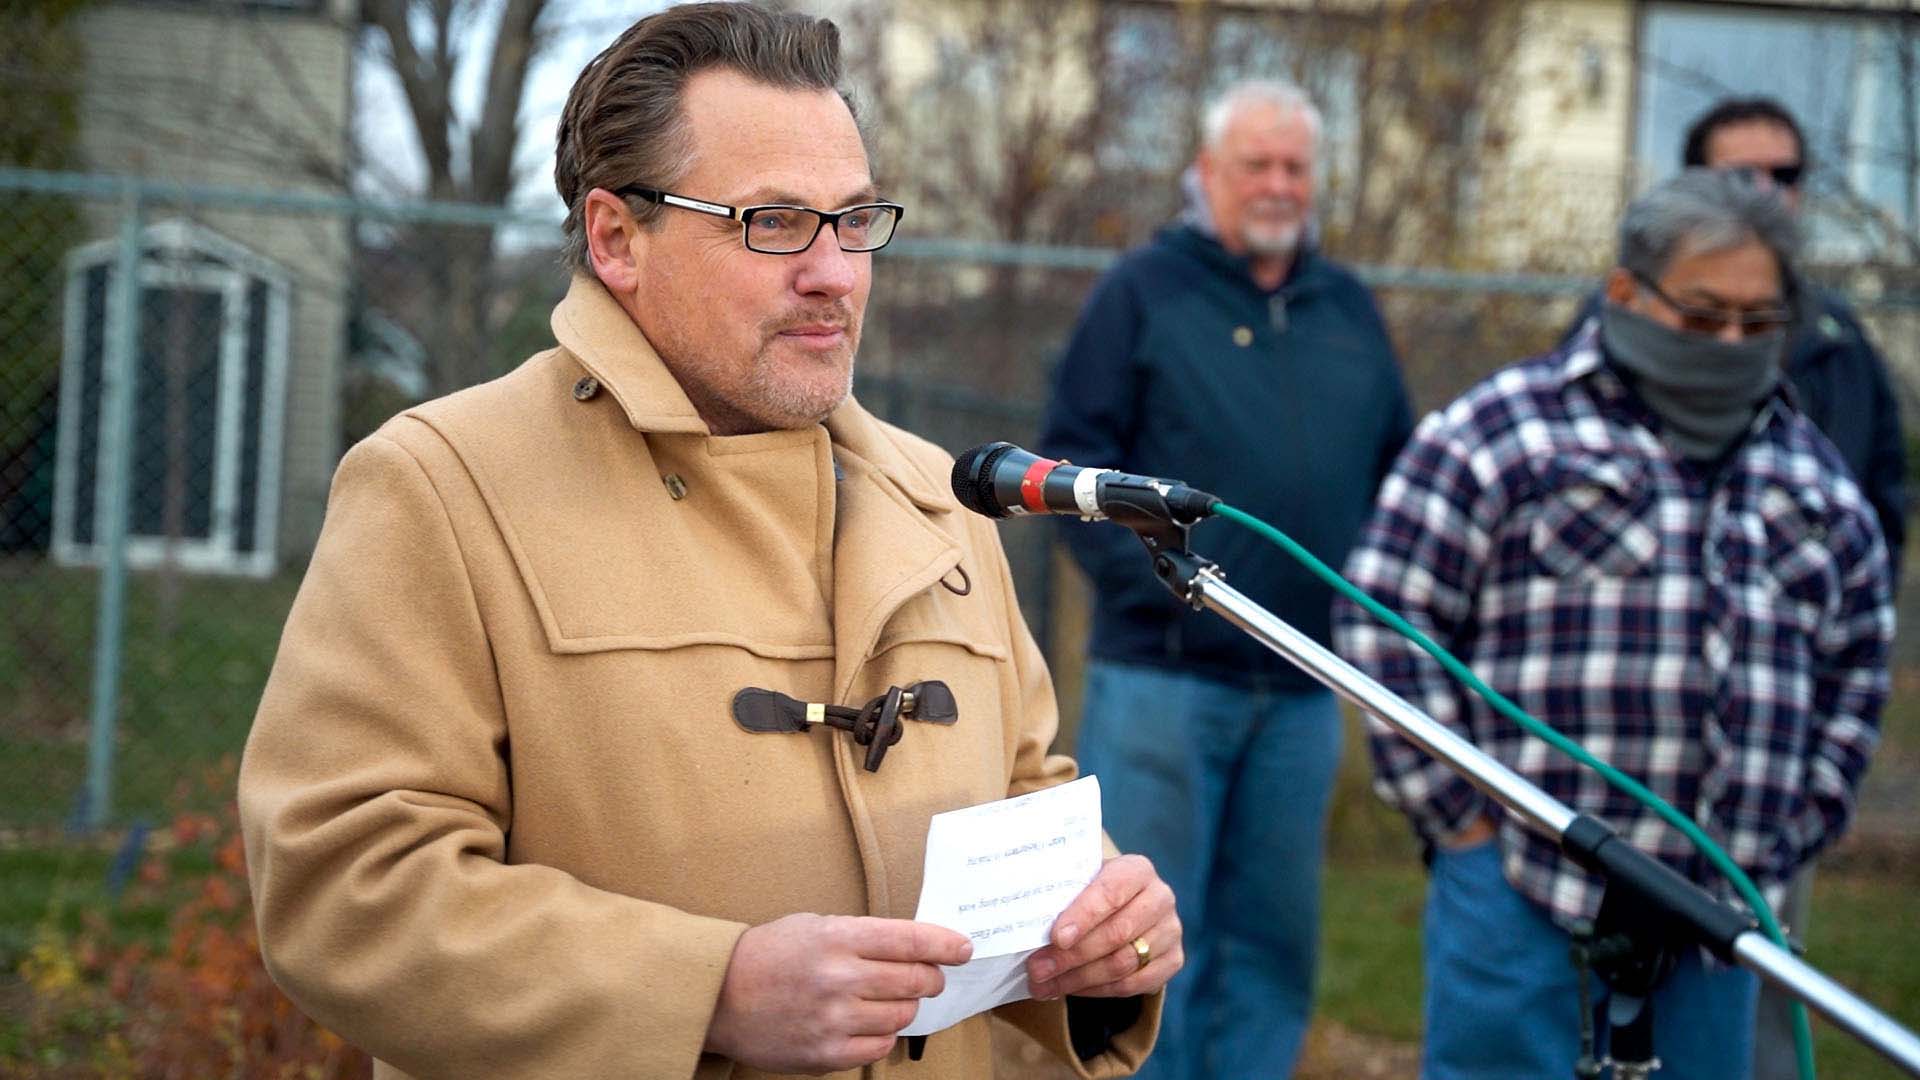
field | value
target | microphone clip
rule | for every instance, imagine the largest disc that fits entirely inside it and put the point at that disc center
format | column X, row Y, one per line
column 875, row 725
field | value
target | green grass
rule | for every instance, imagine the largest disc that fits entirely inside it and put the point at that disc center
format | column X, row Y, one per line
column 63, row 886
column 1865, row 929
column 1370, row 947
column 191, row 674
column 1865, row 934
column 191, row 684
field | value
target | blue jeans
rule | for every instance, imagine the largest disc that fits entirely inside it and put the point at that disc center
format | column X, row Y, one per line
column 1226, row 789
column 1503, row 997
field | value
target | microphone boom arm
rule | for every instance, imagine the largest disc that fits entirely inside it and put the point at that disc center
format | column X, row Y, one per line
column 1722, row 929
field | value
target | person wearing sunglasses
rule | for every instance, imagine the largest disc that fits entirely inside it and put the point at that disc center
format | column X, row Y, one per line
column 1839, row 375
column 1641, row 541
column 1840, row 381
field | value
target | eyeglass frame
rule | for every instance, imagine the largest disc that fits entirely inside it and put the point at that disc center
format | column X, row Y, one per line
column 744, row 215
column 1774, row 319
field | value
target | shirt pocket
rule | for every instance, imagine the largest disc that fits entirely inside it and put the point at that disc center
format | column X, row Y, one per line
column 1800, row 572
column 1594, row 520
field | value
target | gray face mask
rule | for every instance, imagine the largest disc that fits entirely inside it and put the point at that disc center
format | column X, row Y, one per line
column 1704, row 390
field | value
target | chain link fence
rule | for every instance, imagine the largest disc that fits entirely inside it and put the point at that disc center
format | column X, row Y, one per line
column 165, row 450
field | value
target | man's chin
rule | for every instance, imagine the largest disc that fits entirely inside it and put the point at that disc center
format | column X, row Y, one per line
column 803, row 399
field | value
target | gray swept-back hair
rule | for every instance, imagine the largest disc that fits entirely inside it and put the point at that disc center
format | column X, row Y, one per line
column 624, row 123
column 1276, row 93
column 1704, row 210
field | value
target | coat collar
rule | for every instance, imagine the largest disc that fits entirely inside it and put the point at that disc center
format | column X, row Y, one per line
column 599, row 333
column 589, row 324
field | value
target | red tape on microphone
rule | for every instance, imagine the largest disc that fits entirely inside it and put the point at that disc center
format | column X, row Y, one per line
column 1030, row 484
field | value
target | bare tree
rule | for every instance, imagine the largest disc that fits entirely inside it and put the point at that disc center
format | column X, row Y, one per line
column 1070, row 123
column 468, row 159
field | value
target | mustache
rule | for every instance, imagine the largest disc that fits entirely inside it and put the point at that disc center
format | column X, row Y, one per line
column 837, row 316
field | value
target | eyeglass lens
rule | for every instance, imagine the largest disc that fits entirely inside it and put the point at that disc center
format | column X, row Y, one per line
column 1785, row 176
column 1713, row 323
column 1699, row 320
column 783, row 229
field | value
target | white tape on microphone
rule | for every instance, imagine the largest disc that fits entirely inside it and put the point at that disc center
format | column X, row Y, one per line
column 1086, row 494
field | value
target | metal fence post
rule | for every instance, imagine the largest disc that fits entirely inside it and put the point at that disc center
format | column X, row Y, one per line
column 122, row 370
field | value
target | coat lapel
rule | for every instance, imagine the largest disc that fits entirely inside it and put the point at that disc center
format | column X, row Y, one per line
column 886, row 549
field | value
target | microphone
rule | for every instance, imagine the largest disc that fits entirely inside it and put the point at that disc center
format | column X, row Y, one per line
column 1000, row 480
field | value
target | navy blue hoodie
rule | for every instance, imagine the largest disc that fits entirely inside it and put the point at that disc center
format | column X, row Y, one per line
column 1286, row 403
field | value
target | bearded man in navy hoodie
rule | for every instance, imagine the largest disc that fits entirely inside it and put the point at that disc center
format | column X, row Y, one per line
column 1230, row 354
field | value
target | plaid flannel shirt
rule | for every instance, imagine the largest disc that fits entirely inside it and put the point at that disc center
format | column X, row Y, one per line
column 1723, row 640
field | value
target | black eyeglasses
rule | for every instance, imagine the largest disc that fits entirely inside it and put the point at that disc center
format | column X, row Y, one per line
column 1785, row 176
column 785, row 230
column 1712, row 321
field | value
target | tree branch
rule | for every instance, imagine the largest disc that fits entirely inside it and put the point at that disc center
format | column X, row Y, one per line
column 426, row 89
column 492, row 143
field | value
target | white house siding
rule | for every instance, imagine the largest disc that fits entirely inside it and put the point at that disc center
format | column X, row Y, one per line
column 247, row 96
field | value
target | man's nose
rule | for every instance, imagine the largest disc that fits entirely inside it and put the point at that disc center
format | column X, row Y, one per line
column 824, row 269
column 1731, row 332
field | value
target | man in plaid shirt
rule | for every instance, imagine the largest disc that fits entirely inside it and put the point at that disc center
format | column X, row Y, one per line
column 1640, row 541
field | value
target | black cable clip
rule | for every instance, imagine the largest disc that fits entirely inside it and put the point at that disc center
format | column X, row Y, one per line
column 875, row 725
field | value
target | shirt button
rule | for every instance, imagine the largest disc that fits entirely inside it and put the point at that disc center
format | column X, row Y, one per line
column 585, row 388
column 1718, row 652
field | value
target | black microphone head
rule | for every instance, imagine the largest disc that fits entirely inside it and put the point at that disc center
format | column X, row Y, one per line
column 973, row 477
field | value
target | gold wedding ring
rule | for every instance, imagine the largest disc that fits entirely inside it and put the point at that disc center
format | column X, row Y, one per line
column 1142, row 952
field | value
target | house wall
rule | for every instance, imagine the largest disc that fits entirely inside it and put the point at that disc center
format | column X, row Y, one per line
column 1552, row 201
column 246, row 96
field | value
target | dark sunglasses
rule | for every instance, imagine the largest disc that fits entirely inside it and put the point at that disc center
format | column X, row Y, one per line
column 1785, row 176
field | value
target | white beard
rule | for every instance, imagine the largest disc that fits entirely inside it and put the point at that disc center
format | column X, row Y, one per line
column 1274, row 241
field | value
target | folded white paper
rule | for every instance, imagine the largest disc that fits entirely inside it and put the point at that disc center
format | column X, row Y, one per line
column 1000, row 873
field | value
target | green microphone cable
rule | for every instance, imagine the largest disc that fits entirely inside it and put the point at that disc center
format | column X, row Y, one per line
column 1802, row 1032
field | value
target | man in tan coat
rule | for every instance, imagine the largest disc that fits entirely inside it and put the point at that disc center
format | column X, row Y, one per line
column 501, row 816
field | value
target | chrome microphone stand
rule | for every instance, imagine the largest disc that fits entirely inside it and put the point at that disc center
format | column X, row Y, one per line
column 1665, row 909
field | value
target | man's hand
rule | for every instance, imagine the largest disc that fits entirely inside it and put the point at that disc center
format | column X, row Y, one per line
column 1093, row 952
column 820, row 993
column 1478, row 831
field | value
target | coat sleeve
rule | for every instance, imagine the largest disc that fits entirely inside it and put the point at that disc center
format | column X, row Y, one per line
column 1091, row 417
column 1850, row 687
column 1419, row 556
column 1886, row 481
column 1397, row 424
column 1097, row 1037
column 375, row 801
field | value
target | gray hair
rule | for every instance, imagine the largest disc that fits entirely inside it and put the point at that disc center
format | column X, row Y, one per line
column 1253, row 93
column 624, row 122
column 1705, row 210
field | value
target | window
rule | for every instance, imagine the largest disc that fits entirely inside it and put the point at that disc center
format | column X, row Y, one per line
column 210, row 362
column 1851, row 78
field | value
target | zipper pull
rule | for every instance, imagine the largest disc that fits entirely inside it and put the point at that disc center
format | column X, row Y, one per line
column 1277, row 312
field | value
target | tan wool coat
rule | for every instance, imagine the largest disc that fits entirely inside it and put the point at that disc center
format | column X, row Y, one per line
column 500, row 820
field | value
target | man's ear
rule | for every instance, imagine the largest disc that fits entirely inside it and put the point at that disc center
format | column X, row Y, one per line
column 1621, row 288
column 615, row 241
column 1203, row 166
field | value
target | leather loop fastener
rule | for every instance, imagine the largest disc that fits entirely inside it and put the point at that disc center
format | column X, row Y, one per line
column 875, row 725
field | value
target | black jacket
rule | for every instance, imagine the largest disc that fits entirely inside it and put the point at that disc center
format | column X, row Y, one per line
column 1840, row 382
column 1287, row 404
